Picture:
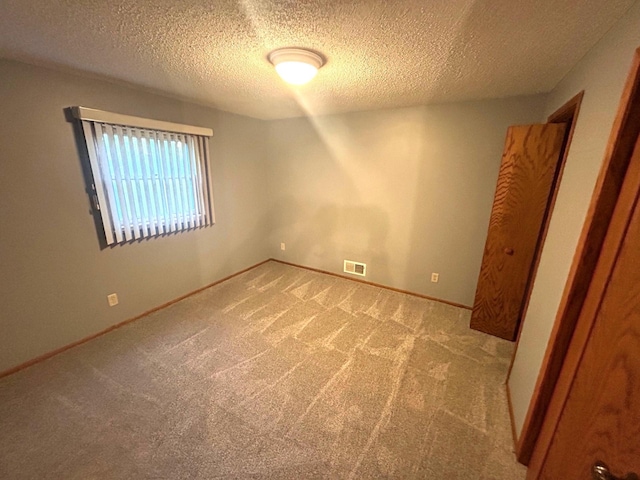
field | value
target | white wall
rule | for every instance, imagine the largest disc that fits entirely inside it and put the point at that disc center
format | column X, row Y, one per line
column 55, row 279
column 407, row 191
column 601, row 74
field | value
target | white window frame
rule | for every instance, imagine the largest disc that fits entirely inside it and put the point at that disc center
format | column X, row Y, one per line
column 97, row 126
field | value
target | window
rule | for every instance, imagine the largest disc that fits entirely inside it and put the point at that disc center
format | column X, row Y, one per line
column 149, row 177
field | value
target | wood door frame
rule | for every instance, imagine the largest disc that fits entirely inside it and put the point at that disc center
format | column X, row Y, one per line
column 567, row 113
column 616, row 190
column 550, row 385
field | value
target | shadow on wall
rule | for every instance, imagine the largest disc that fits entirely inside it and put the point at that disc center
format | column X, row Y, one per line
column 453, row 197
column 324, row 235
column 244, row 250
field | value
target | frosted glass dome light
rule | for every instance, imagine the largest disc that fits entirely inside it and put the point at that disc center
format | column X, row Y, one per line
column 296, row 65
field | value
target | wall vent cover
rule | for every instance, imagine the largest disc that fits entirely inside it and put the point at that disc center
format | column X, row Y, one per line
column 355, row 268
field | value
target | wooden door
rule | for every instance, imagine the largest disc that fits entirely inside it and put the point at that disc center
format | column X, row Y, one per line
column 529, row 166
column 599, row 418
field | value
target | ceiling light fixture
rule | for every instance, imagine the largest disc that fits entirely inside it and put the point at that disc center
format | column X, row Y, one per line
column 296, row 65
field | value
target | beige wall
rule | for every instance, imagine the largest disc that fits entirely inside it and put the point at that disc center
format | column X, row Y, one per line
column 601, row 74
column 407, row 191
column 55, row 278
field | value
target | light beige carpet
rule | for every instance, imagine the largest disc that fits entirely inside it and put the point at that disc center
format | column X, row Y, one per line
column 277, row 373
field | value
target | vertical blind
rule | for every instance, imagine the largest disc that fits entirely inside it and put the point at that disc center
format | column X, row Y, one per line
column 148, row 182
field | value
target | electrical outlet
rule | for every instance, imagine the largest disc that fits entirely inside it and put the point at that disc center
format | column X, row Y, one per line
column 282, row 246
column 112, row 299
column 435, row 277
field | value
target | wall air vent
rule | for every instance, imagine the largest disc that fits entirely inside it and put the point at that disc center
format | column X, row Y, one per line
column 355, row 268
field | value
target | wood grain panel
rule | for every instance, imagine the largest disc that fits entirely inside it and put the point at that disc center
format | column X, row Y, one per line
column 602, row 408
column 528, row 168
column 568, row 113
column 552, row 386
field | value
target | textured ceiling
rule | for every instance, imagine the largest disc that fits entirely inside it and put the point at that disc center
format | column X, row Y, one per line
column 379, row 53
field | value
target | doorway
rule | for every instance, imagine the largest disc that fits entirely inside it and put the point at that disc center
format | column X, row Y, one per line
column 530, row 173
